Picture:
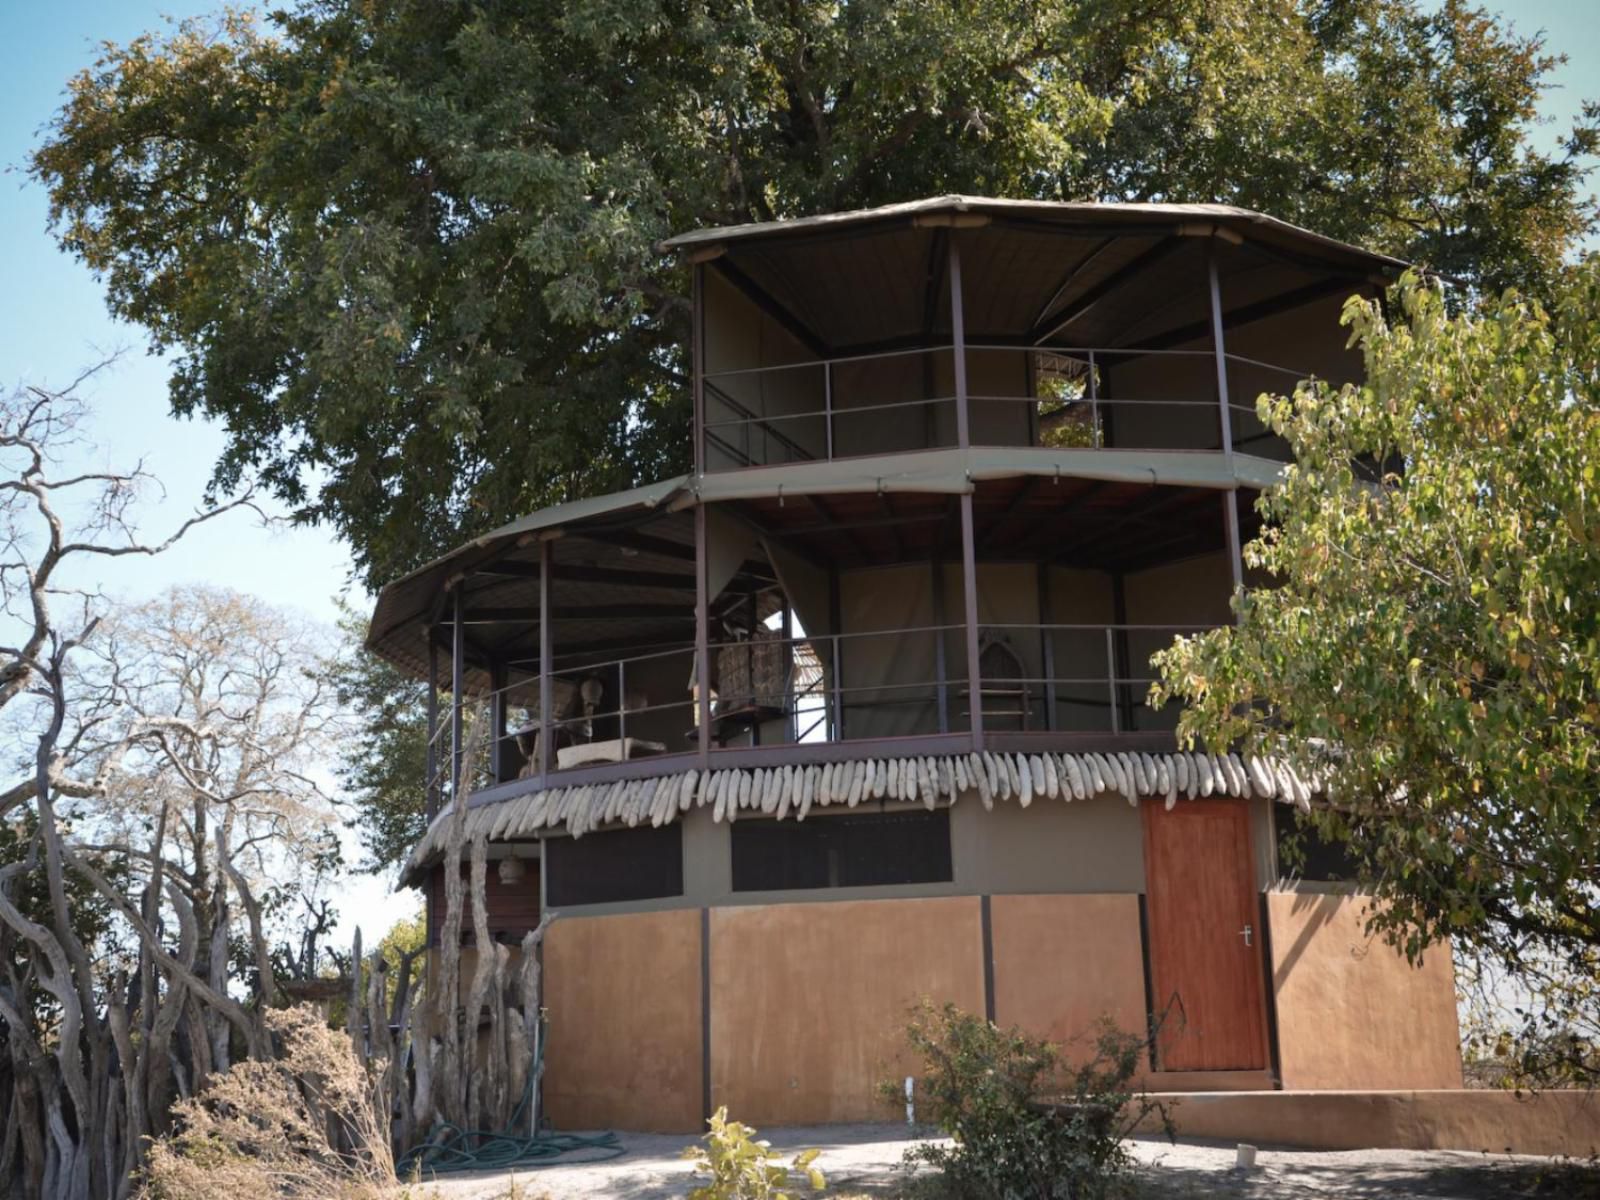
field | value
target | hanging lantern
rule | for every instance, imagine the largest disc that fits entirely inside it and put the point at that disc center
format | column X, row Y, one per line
column 511, row 871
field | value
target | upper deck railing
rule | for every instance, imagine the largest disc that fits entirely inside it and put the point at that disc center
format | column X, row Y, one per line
column 905, row 400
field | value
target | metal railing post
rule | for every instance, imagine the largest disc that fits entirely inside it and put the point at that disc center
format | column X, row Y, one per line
column 1094, row 406
column 622, row 707
column 838, row 711
column 1111, row 680
column 827, row 405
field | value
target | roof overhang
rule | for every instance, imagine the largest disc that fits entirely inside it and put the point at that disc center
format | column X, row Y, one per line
column 956, row 211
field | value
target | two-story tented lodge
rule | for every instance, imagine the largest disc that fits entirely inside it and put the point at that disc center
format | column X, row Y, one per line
column 854, row 714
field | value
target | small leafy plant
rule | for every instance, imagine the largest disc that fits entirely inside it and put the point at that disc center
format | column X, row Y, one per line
column 1024, row 1125
column 743, row 1168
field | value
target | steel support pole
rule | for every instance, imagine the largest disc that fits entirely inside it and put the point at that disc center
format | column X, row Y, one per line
column 969, row 590
column 702, row 635
column 431, row 758
column 697, row 352
column 546, row 654
column 835, row 622
column 1219, row 350
column 497, row 723
column 1047, row 638
column 941, row 619
column 1230, row 505
column 958, row 337
column 458, row 655
column 827, row 405
column 969, row 570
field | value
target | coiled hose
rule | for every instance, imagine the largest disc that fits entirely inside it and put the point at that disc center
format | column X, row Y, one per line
column 451, row 1148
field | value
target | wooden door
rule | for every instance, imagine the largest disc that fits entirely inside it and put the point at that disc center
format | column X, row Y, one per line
column 1205, row 944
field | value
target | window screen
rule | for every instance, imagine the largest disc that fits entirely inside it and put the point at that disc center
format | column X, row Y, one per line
column 859, row 850
column 1303, row 853
column 622, row 864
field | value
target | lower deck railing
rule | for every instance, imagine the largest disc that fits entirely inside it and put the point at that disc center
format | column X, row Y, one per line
column 777, row 699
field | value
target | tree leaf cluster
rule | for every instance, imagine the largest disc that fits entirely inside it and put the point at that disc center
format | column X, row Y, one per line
column 1430, row 646
column 404, row 252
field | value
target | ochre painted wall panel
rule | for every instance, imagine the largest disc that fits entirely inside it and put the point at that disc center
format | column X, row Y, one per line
column 1352, row 1014
column 810, row 1001
column 1061, row 963
column 623, row 995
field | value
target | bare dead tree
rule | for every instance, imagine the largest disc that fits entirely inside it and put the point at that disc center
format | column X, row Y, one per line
column 166, row 802
column 165, row 775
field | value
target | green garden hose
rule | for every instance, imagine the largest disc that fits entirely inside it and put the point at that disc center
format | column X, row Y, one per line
column 451, row 1148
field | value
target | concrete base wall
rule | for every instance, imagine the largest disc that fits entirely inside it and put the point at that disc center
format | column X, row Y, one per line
column 1488, row 1121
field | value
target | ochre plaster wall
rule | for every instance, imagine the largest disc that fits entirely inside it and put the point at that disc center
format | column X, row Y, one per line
column 1352, row 1014
column 623, row 995
column 810, row 1000
column 1061, row 963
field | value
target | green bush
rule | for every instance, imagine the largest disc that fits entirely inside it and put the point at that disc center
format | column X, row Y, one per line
column 1025, row 1125
column 742, row 1168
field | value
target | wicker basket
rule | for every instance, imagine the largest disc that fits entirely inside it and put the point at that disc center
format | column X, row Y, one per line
column 752, row 674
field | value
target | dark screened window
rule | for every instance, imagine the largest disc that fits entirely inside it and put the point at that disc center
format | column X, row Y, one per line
column 621, row 864
column 858, row 850
column 1303, row 853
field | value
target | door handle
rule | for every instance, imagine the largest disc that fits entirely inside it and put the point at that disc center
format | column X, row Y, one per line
column 1245, row 933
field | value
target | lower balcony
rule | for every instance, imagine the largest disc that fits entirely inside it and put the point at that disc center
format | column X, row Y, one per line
column 779, row 697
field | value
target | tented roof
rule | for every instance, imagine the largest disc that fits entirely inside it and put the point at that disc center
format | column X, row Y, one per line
column 1053, row 215
column 627, row 531
column 1073, row 274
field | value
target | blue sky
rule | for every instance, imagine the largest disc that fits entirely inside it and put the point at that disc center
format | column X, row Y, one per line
column 53, row 320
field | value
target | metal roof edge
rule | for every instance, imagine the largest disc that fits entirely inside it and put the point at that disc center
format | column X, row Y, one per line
column 1232, row 215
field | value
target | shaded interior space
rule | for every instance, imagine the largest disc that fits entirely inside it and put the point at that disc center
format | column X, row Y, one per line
column 841, row 342
column 830, row 618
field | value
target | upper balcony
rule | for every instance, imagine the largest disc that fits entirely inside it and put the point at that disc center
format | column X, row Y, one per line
column 961, row 322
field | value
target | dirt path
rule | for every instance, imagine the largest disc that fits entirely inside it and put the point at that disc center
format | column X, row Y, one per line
column 867, row 1158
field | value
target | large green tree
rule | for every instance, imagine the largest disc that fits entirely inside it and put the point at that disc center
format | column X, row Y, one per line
column 1431, row 648
column 404, row 250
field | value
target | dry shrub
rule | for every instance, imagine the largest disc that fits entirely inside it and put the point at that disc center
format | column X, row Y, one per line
column 309, row 1123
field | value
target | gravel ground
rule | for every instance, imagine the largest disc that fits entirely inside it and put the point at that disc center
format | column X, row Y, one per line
column 867, row 1158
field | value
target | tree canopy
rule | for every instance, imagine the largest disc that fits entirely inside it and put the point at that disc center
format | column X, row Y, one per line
column 1432, row 646
column 404, row 252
